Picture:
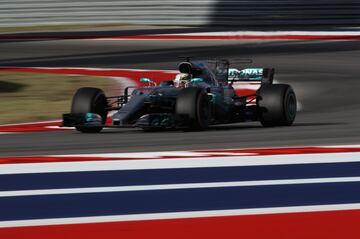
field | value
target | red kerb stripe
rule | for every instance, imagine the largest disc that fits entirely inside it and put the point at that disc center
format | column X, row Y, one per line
column 336, row 224
column 206, row 153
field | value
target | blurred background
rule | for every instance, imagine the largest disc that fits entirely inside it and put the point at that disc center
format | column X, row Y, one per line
column 50, row 175
column 49, row 48
column 236, row 13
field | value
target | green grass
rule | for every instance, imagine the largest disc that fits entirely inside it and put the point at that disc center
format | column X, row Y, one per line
column 26, row 97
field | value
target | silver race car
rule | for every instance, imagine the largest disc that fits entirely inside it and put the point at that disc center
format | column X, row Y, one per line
column 202, row 94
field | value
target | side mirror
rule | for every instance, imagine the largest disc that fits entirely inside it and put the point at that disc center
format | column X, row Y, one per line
column 148, row 80
column 145, row 80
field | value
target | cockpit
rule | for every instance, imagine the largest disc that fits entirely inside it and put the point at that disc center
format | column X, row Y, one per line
column 198, row 72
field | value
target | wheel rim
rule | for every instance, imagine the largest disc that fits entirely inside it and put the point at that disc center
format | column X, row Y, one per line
column 291, row 109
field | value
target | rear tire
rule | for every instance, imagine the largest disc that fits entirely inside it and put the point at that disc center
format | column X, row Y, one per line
column 194, row 104
column 89, row 100
column 277, row 105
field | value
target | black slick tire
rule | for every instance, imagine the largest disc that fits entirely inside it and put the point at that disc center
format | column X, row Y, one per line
column 276, row 104
column 194, row 104
column 89, row 100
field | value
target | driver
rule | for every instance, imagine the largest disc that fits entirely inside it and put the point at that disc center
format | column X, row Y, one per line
column 182, row 80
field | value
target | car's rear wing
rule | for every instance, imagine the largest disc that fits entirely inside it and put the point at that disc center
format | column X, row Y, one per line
column 262, row 75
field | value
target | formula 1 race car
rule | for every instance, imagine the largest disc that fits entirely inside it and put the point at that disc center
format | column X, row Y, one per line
column 202, row 94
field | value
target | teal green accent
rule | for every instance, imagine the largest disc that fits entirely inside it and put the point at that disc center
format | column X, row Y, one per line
column 197, row 80
column 247, row 74
column 145, row 80
column 165, row 122
column 213, row 98
column 88, row 117
column 252, row 73
column 233, row 72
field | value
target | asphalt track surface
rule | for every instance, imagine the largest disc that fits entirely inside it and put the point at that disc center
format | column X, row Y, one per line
column 324, row 75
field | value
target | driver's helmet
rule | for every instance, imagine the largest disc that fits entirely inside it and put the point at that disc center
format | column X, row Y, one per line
column 182, row 80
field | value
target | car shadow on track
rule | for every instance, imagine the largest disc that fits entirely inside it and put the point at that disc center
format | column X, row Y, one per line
column 259, row 126
column 253, row 126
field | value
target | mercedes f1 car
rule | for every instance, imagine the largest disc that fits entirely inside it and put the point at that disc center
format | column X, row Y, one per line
column 202, row 94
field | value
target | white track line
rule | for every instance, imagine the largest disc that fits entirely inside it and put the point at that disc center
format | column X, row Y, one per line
column 177, row 186
column 157, row 155
column 133, row 164
column 179, row 215
column 31, row 123
column 341, row 146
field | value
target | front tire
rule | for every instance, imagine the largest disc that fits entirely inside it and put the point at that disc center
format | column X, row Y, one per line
column 277, row 105
column 89, row 100
column 194, row 104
